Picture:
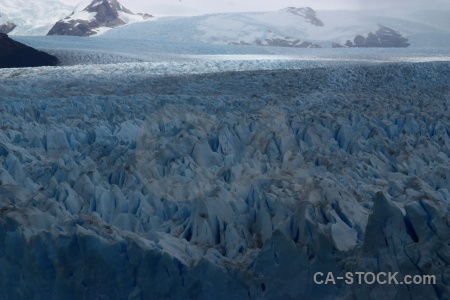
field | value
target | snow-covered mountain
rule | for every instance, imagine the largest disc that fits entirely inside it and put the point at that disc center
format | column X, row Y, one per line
column 32, row 18
column 19, row 17
column 98, row 16
column 300, row 27
column 288, row 27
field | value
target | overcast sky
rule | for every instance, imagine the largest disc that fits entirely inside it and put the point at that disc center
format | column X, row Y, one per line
column 209, row 6
column 194, row 7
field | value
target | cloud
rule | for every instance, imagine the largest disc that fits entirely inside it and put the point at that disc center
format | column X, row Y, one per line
column 190, row 7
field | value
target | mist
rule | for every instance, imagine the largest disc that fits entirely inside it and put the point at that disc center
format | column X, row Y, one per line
column 193, row 7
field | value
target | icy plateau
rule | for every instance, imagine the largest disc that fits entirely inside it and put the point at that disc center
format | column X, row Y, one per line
column 225, row 180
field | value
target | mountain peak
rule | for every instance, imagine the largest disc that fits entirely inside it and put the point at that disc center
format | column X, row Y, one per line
column 99, row 6
column 107, row 12
column 99, row 13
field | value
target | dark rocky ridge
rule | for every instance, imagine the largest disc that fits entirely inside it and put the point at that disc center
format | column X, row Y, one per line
column 145, row 16
column 307, row 13
column 106, row 15
column 278, row 42
column 384, row 37
column 7, row 27
column 17, row 55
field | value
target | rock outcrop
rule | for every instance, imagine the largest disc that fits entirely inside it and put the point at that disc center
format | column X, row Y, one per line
column 278, row 42
column 384, row 37
column 17, row 55
column 307, row 13
column 7, row 27
column 145, row 16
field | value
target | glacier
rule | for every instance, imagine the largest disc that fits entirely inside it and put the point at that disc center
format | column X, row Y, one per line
column 229, row 178
column 76, row 51
column 424, row 26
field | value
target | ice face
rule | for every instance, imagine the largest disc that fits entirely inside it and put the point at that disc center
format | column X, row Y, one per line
column 118, row 181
